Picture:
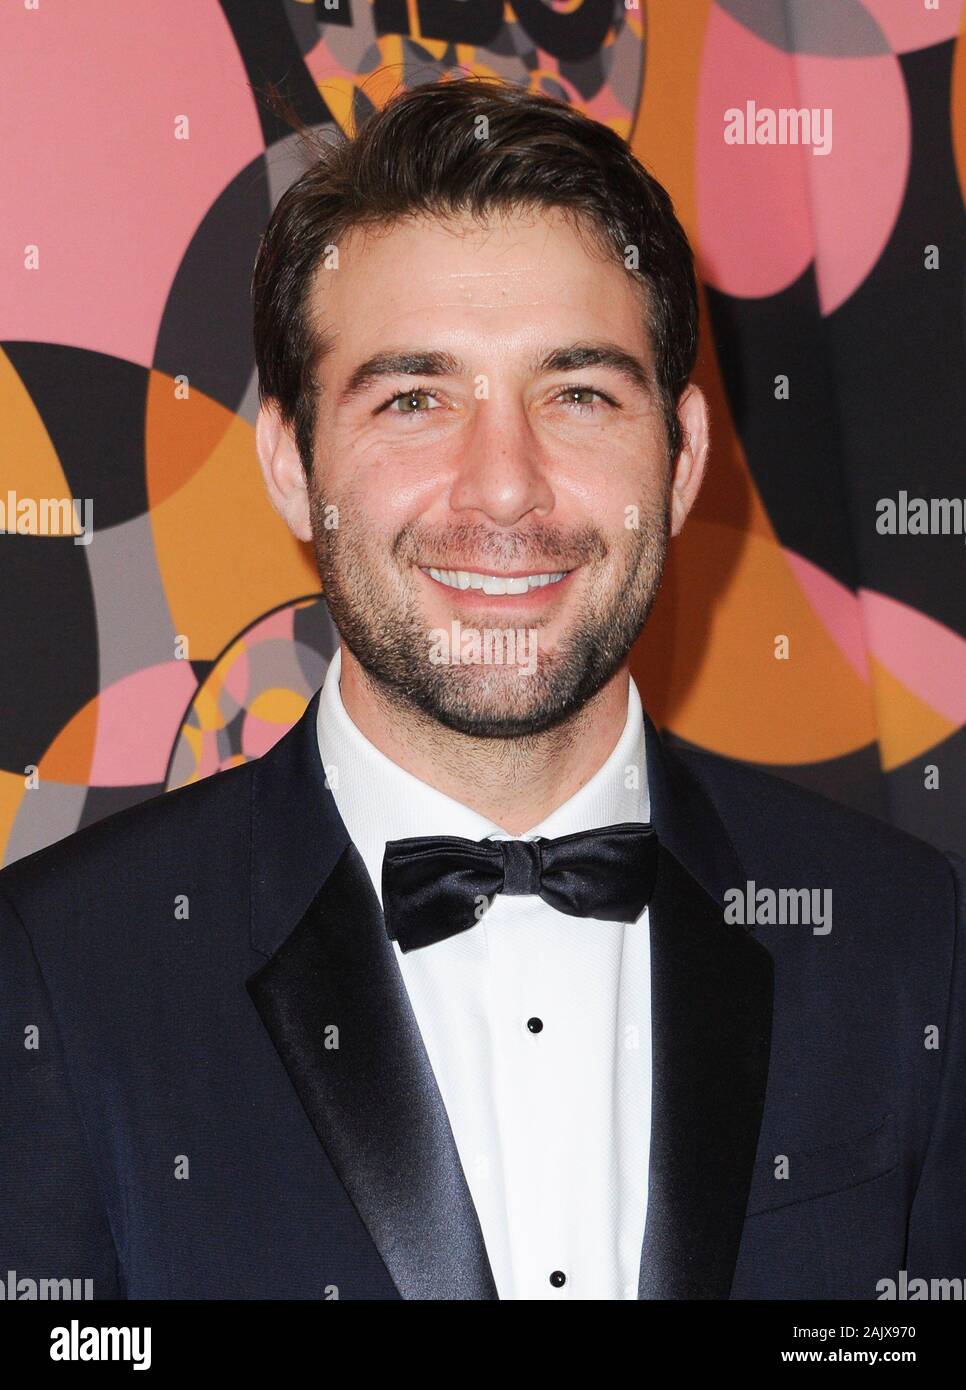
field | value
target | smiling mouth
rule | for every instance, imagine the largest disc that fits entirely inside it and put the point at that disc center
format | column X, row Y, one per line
column 495, row 583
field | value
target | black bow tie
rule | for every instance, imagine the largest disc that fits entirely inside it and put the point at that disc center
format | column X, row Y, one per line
column 434, row 886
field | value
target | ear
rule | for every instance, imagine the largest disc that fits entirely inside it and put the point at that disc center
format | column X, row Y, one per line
column 689, row 466
column 282, row 471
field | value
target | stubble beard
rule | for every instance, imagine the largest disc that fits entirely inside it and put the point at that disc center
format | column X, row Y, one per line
column 378, row 617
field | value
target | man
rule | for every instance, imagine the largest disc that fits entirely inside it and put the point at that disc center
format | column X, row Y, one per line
column 464, row 1005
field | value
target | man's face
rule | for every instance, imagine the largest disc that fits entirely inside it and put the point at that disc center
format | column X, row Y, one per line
column 466, row 486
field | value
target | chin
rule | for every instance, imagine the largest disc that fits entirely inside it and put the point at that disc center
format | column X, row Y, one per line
column 503, row 708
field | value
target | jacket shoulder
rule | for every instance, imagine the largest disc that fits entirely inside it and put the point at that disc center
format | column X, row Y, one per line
column 136, row 841
column 769, row 816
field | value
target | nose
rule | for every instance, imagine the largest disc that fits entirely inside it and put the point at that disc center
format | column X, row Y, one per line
column 503, row 473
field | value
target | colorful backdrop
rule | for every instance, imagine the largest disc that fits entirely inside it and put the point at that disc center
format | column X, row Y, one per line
column 138, row 172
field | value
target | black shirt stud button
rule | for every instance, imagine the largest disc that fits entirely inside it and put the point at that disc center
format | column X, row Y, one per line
column 558, row 1278
column 535, row 1025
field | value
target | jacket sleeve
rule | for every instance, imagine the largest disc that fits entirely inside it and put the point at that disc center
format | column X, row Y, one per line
column 936, row 1247
column 53, row 1223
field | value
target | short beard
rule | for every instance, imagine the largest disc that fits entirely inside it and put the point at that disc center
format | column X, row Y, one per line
column 388, row 636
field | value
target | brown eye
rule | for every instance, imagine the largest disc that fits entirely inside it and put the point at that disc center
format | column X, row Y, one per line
column 583, row 407
column 408, row 397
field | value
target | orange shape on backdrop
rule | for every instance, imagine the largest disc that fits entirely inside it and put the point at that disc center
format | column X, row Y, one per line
column 277, row 706
column 729, row 495
column 222, row 552
column 958, row 105
column 664, row 139
column 907, row 726
column 664, row 136
column 339, row 93
column 70, row 757
column 206, row 708
column 12, row 793
column 706, row 663
column 31, row 467
column 179, row 434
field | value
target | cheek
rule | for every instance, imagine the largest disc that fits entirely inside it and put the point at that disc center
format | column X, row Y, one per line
column 364, row 503
column 611, row 504
column 361, row 541
column 393, row 484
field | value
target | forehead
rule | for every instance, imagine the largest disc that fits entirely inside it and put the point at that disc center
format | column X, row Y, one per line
column 523, row 273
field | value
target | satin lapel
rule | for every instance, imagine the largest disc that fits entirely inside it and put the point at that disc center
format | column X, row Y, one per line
column 374, row 1101
column 333, row 1000
column 711, row 1001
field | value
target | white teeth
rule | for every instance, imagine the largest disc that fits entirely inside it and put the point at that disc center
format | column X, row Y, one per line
column 494, row 583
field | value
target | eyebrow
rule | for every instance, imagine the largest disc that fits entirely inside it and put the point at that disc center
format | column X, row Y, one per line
column 573, row 357
column 414, row 363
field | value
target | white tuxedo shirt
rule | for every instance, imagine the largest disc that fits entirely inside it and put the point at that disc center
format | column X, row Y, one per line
column 537, row 1026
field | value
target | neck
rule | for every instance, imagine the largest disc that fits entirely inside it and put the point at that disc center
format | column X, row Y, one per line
column 516, row 783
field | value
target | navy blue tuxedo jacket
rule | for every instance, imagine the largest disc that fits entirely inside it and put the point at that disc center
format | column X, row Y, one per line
column 175, row 1123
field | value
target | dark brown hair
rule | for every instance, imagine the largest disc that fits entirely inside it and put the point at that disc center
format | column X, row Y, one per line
column 422, row 153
